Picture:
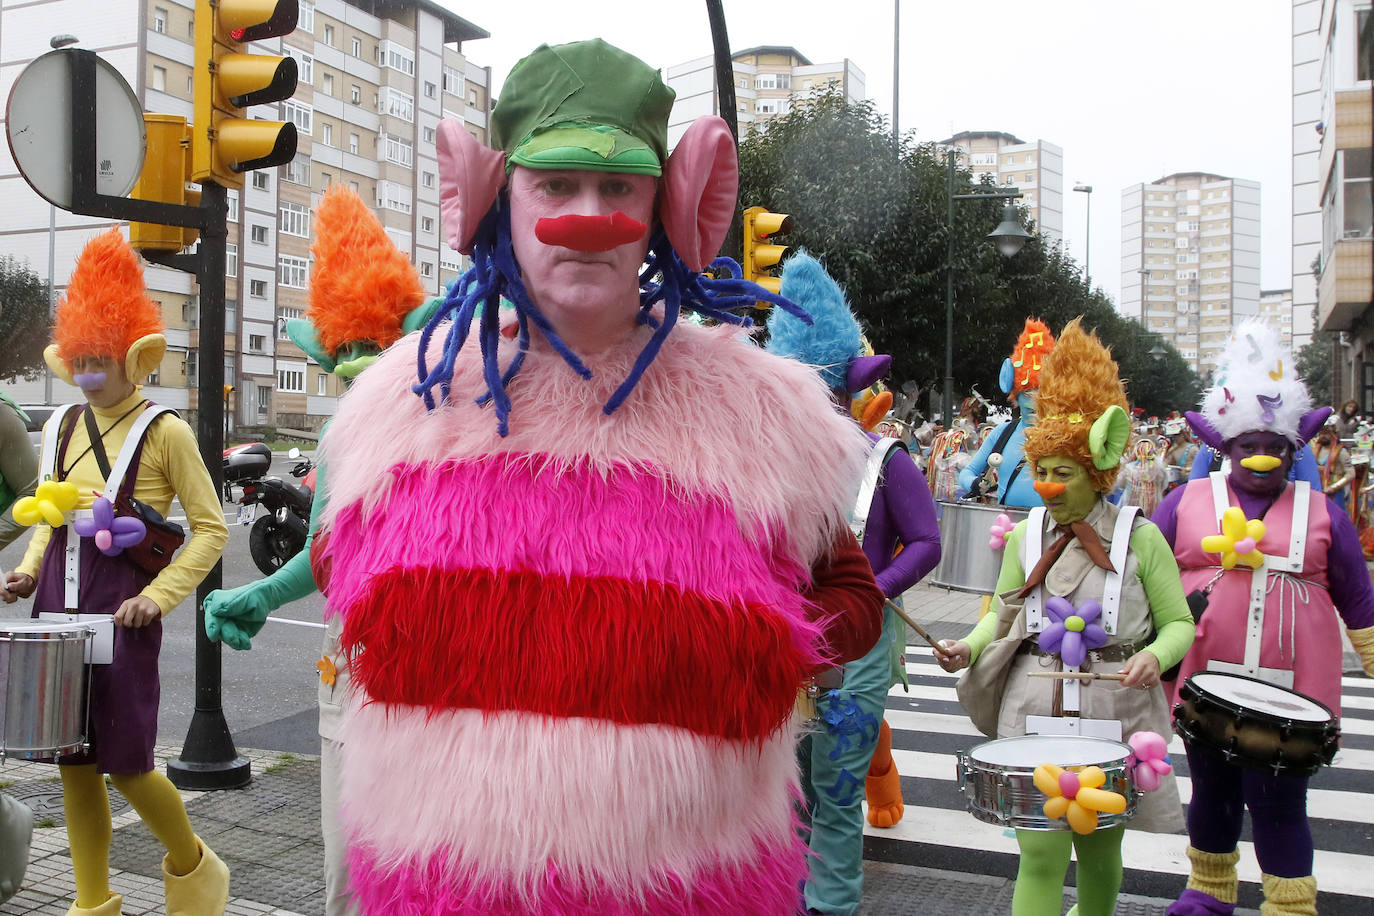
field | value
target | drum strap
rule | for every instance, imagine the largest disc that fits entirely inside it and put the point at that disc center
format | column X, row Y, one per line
column 882, row 452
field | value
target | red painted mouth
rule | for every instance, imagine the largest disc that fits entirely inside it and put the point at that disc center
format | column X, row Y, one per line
column 589, row 233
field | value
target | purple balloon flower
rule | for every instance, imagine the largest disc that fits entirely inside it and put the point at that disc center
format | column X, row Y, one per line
column 1072, row 631
column 111, row 533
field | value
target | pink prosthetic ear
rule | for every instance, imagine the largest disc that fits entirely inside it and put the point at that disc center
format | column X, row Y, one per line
column 700, row 187
column 470, row 177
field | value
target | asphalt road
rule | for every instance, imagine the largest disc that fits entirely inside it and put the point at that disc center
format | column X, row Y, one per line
column 268, row 693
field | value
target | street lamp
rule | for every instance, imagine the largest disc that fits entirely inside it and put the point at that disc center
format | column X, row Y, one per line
column 1087, row 233
column 57, row 41
column 1009, row 235
column 1158, row 352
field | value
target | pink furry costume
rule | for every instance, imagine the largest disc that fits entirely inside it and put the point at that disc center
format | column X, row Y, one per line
column 579, row 601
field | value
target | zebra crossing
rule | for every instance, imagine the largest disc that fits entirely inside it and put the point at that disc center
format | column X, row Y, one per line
column 929, row 728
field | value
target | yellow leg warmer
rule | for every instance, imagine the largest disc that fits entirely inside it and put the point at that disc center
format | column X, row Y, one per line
column 1214, row 873
column 1289, row 896
column 1362, row 641
column 156, row 800
column 87, row 807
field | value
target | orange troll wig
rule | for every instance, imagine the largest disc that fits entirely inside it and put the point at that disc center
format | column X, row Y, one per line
column 1028, row 356
column 361, row 286
column 1081, row 410
column 107, row 312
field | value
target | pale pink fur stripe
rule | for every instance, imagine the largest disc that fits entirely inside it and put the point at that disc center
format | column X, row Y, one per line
column 714, row 414
column 505, row 794
column 765, row 886
column 503, row 514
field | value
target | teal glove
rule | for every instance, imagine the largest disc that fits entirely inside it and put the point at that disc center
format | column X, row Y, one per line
column 234, row 616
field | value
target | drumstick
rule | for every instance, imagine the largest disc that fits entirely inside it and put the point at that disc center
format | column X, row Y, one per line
column 920, row 630
column 1078, row 675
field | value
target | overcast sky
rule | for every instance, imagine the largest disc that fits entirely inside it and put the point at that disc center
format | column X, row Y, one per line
column 1131, row 90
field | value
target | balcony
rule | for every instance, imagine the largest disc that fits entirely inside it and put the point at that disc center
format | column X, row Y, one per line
column 1346, row 289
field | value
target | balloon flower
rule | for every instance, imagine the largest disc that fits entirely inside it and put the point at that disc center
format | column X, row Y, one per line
column 111, row 533
column 1079, row 796
column 1072, row 630
column 1237, row 541
column 50, row 503
column 1001, row 527
column 1149, row 760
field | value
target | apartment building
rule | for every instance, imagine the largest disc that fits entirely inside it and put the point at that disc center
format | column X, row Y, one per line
column 1190, row 259
column 768, row 80
column 1035, row 168
column 1333, row 183
column 1276, row 308
column 375, row 78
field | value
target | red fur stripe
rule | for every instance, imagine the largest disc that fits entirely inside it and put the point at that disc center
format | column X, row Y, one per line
column 446, row 639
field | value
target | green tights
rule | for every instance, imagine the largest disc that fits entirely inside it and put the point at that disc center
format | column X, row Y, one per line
column 1045, row 860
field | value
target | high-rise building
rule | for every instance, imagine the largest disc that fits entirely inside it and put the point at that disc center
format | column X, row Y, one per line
column 1276, row 308
column 1190, row 259
column 767, row 81
column 375, row 78
column 1333, row 183
column 1035, row 168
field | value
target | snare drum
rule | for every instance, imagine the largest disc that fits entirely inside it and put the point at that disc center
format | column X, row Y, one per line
column 1256, row 724
column 967, row 563
column 998, row 778
column 43, row 689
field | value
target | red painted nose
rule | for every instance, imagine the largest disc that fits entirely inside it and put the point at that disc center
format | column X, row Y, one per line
column 1048, row 489
column 589, row 233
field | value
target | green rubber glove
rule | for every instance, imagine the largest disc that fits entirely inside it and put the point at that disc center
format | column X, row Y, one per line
column 234, row 616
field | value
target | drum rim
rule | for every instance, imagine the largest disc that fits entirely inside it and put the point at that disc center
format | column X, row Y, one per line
column 1190, row 687
column 1121, row 745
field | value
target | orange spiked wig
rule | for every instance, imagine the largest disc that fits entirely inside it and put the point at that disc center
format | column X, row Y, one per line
column 361, row 286
column 1032, row 348
column 1081, row 410
column 106, row 308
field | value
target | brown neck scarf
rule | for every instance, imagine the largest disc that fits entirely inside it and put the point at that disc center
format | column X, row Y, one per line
column 1087, row 536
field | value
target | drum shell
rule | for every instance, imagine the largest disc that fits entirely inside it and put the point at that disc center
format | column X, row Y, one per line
column 1006, row 795
column 44, row 700
column 967, row 563
column 1254, row 739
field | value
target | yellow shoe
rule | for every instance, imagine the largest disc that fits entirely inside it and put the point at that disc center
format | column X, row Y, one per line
column 111, row 907
column 204, row 892
column 1289, row 896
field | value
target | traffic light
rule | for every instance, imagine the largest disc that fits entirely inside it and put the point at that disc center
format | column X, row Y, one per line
column 166, row 169
column 225, row 144
column 760, row 256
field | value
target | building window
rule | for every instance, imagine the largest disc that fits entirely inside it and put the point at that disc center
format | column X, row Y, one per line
column 305, row 64
column 1364, row 55
column 327, row 84
column 295, row 220
column 160, row 79
column 426, row 224
column 426, row 269
column 396, row 57
column 327, row 134
column 353, row 186
column 257, row 289
column 291, row 381
column 321, row 384
column 393, row 196
column 264, row 399
column 399, row 150
column 293, row 273
column 260, row 181
column 452, row 81
column 159, row 20
column 257, row 343
column 303, row 116
column 284, row 315
column 1347, row 206
column 297, row 170
column 325, row 180
column 431, row 90
column 258, row 234
column 428, row 134
column 305, row 18
column 427, row 179
column 232, row 196
column 231, row 260
column 357, row 46
column 353, row 144
column 329, row 34
column 400, row 104
column 773, row 81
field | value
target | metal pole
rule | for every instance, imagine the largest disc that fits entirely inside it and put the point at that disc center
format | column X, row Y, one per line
column 208, row 759
column 896, row 65
column 946, row 409
column 52, row 294
column 725, row 68
column 1088, row 250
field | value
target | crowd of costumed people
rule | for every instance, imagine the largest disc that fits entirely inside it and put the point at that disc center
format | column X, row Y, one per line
column 617, row 584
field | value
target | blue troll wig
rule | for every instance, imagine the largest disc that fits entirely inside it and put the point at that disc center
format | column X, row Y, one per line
column 830, row 339
column 495, row 274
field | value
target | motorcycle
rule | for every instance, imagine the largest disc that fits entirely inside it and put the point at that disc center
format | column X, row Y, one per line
column 279, row 530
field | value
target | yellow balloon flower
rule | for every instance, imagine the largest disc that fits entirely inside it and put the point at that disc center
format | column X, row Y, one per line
column 1078, row 796
column 1237, row 541
column 50, row 503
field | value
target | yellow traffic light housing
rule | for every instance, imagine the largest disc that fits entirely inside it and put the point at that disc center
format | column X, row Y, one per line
column 760, row 256
column 225, row 144
column 166, row 169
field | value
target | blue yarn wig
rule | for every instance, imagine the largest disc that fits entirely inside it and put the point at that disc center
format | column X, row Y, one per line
column 495, row 275
column 831, row 339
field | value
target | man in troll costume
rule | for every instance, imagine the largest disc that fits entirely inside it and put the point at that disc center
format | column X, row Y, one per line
column 1004, row 447
column 893, row 512
column 1084, row 585
column 364, row 295
column 107, row 338
column 581, row 626
column 1307, row 570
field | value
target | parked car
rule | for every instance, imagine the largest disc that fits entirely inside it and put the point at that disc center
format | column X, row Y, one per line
column 38, row 415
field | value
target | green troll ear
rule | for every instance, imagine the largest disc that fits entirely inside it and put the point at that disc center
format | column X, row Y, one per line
column 1108, row 436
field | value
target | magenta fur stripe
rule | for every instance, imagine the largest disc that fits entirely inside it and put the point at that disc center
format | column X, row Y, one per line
column 505, row 794
column 516, row 512
column 765, row 885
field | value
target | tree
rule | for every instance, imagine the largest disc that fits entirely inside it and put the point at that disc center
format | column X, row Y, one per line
column 1314, row 366
column 25, row 320
column 875, row 212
